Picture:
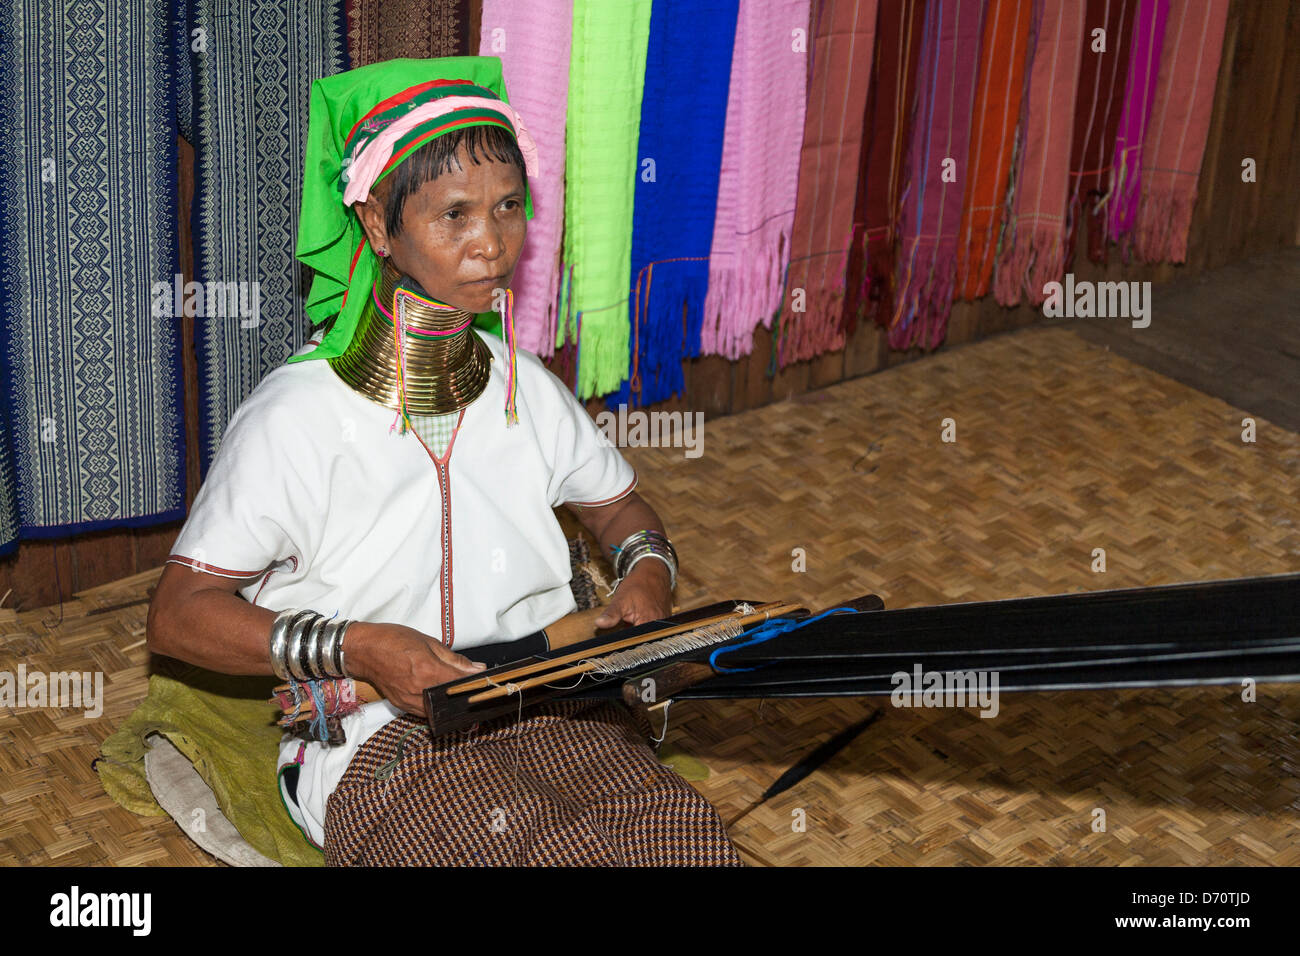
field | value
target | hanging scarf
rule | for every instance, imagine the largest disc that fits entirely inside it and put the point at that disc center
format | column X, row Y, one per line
column 536, row 64
column 889, row 125
column 1102, row 78
column 1003, row 50
column 676, row 198
column 1139, row 95
column 381, row 30
column 1189, row 68
column 932, row 202
column 92, row 424
column 252, row 84
column 844, row 34
column 606, row 72
column 1033, row 253
column 766, row 103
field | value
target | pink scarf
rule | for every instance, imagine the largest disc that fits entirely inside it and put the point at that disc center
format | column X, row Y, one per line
column 766, row 101
column 844, row 36
column 948, row 69
column 1139, row 95
column 536, row 65
column 1180, row 121
column 1033, row 253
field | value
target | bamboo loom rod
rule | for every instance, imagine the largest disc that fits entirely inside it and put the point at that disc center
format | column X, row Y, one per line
column 761, row 612
column 498, row 689
column 569, row 634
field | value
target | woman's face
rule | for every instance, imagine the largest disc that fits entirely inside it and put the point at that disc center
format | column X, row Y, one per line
column 461, row 233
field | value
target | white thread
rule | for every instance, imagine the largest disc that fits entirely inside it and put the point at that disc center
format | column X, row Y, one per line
column 705, row 636
column 509, row 687
column 576, row 683
column 658, row 741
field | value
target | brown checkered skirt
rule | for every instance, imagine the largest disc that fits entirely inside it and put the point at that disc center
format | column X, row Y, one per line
column 572, row 784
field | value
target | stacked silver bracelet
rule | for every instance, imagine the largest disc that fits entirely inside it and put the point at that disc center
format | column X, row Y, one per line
column 646, row 544
column 306, row 645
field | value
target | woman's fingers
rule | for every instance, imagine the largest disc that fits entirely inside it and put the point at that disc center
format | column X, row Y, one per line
column 613, row 613
column 458, row 661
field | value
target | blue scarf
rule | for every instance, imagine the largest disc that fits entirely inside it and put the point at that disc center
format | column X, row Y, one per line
column 679, row 159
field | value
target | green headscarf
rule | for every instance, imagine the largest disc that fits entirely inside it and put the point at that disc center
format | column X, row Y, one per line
column 330, row 237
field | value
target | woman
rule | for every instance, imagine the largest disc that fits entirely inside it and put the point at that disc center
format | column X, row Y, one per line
column 372, row 502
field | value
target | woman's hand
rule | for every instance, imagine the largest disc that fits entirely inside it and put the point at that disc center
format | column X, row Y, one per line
column 401, row 662
column 644, row 595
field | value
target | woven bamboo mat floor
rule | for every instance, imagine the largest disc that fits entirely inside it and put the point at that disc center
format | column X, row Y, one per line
column 1061, row 448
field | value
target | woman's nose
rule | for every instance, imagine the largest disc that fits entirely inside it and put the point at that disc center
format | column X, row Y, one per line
column 488, row 242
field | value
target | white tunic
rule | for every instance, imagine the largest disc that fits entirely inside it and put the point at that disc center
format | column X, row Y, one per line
column 317, row 504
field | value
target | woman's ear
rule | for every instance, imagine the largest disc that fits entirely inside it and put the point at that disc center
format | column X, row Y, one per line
column 371, row 214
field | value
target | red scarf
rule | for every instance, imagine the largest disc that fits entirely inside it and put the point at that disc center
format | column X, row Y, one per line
column 844, row 33
column 998, row 94
column 889, row 122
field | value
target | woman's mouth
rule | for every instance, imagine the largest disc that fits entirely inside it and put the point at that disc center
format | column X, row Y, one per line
column 486, row 283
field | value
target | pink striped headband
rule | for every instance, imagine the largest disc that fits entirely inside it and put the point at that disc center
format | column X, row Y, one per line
column 366, row 167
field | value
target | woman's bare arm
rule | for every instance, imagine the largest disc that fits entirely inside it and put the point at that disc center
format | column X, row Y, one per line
column 198, row 618
column 646, row 593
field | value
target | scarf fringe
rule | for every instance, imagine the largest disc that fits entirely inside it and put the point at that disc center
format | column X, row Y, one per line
column 820, row 327
column 536, row 327
column 924, row 305
column 602, row 355
column 743, row 296
column 975, row 269
column 1036, row 257
column 815, row 331
column 1164, row 220
column 664, row 344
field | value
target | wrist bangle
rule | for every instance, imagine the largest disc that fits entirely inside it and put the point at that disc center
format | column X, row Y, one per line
column 641, row 544
column 642, row 541
column 330, row 658
column 294, row 657
column 305, row 645
column 329, row 638
column 279, row 640
column 312, row 647
column 672, row 570
column 339, row 664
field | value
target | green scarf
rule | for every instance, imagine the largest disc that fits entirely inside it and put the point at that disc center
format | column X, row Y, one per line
column 330, row 237
column 606, row 77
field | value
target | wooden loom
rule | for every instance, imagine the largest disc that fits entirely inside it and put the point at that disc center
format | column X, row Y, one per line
column 1218, row 632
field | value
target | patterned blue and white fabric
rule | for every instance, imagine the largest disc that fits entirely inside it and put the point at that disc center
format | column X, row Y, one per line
column 254, row 65
column 91, row 417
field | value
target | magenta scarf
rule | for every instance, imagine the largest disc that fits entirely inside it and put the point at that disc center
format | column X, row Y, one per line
column 766, row 102
column 536, row 65
column 1139, row 95
column 947, row 72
